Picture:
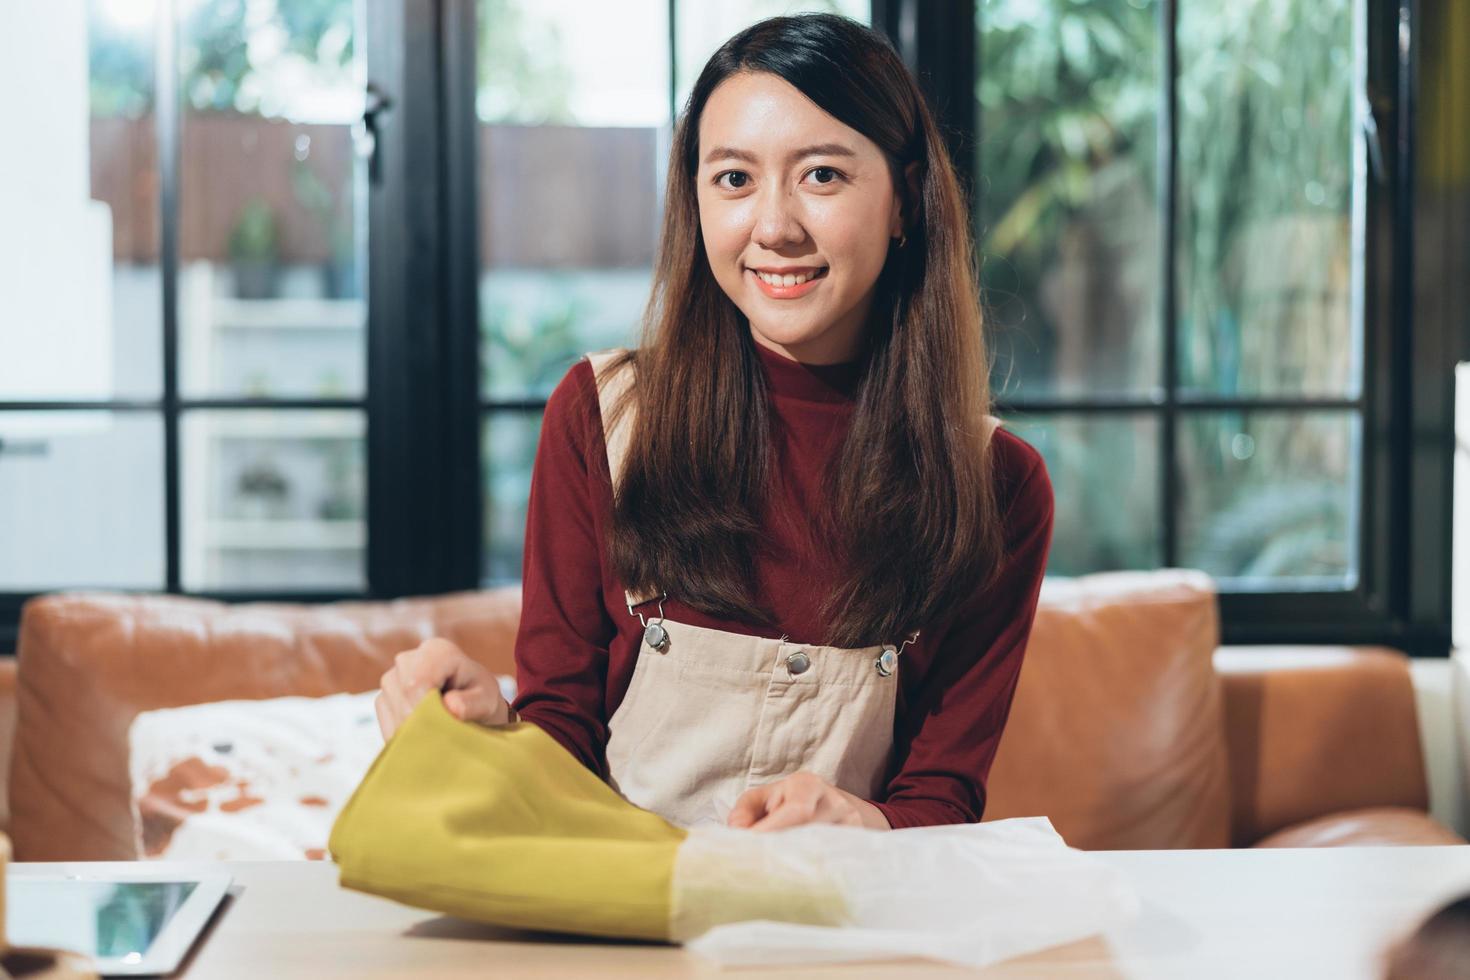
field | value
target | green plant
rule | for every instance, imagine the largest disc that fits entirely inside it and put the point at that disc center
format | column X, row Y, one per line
column 529, row 350
column 254, row 236
column 263, row 479
column 341, row 460
column 325, row 207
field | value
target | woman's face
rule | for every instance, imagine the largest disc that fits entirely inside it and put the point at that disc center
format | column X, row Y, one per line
column 786, row 190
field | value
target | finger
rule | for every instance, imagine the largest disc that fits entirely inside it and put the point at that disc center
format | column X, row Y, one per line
column 783, row 816
column 416, row 678
column 750, row 807
column 476, row 704
column 469, row 705
column 459, row 671
column 438, row 649
column 793, row 811
column 385, row 723
column 389, row 679
column 397, row 704
column 440, row 663
column 409, row 670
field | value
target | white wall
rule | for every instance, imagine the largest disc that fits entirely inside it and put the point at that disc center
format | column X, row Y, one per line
column 1442, row 693
column 55, row 242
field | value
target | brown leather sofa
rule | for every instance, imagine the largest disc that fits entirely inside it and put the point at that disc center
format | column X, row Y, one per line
column 1130, row 728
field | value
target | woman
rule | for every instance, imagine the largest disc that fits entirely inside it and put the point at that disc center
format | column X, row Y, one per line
column 809, row 598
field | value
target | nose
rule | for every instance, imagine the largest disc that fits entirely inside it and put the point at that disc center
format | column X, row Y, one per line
column 777, row 222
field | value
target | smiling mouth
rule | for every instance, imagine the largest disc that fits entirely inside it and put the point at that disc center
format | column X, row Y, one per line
column 788, row 281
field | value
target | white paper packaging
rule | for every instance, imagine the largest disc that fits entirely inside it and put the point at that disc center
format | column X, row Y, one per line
column 970, row 894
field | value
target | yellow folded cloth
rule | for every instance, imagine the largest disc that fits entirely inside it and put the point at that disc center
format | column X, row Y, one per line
column 503, row 825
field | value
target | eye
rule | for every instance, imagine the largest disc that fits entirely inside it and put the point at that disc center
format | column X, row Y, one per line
column 742, row 176
column 832, row 175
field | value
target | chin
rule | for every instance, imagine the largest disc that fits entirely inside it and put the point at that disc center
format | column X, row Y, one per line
column 808, row 350
column 787, row 336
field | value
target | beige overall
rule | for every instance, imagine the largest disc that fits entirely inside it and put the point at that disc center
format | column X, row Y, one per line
column 709, row 713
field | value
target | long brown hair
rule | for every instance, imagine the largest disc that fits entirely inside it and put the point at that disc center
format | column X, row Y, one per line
column 913, row 508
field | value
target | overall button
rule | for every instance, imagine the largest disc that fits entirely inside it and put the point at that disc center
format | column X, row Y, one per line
column 887, row 662
column 656, row 636
column 798, row 662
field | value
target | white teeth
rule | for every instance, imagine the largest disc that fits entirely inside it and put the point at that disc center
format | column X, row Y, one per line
column 788, row 280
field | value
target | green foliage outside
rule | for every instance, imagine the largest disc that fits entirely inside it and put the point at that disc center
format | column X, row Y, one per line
column 1069, row 224
column 226, row 47
column 521, row 73
column 525, row 351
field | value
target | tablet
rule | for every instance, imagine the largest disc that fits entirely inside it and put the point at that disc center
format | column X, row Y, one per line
column 130, row 924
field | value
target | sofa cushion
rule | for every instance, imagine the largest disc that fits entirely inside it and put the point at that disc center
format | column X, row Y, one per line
column 1382, row 826
column 1115, row 732
column 248, row 780
column 90, row 662
column 7, row 735
column 1314, row 731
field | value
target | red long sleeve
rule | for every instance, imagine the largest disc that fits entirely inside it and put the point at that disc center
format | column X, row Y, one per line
column 577, row 643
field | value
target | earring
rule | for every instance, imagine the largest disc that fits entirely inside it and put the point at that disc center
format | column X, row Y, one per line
column 903, row 240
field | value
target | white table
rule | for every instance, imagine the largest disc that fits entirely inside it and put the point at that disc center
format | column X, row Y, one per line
column 1326, row 912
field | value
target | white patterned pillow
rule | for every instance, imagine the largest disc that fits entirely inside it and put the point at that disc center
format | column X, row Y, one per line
column 249, row 780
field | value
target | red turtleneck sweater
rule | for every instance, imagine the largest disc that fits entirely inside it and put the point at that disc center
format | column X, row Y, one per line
column 577, row 643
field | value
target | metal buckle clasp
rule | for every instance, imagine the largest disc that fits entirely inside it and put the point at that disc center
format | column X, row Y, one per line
column 887, row 661
column 653, row 632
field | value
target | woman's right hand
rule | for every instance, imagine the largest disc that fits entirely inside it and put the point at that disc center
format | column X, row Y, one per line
column 471, row 691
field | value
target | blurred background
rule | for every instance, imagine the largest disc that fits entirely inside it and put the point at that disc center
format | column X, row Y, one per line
column 284, row 284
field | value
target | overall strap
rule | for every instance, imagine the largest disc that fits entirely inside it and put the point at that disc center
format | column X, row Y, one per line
column 611, row 386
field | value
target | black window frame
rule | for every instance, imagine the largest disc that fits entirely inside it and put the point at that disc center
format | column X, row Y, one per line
column 424, row 408
column 1402, row 595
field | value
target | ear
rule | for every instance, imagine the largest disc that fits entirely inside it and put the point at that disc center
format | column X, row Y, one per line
column 905, row 206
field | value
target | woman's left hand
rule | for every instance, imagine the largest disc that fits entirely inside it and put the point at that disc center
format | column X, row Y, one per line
column 802, row 798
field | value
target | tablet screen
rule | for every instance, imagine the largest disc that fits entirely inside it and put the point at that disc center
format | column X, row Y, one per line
column 101, row 919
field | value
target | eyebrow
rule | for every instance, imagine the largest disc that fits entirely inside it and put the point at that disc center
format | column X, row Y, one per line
column 819, row 149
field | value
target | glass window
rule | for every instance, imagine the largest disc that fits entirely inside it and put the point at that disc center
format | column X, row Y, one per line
column 59, row 527
column 270, row 285
column 702, row 26
column 80, row 304
column 1266, row 269
column 1265, row 234
column 573, row 106
column 1104, row 471
column 508, row 452
column 1268, row 498
column 1068, row 219
column 273, row 499
column 573, row 102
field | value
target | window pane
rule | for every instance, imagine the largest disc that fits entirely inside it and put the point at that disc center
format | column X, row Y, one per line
column 60, row 528
column 80, row 298
column 508, row 451
column 1269, row 499
column 1266, row 236
column 273, row 500
column 703, row 26
column 1067, row 190
column 536, row 323
column 270, row 284
column 1105, row 475
column 573, row 63
column 573, row 102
